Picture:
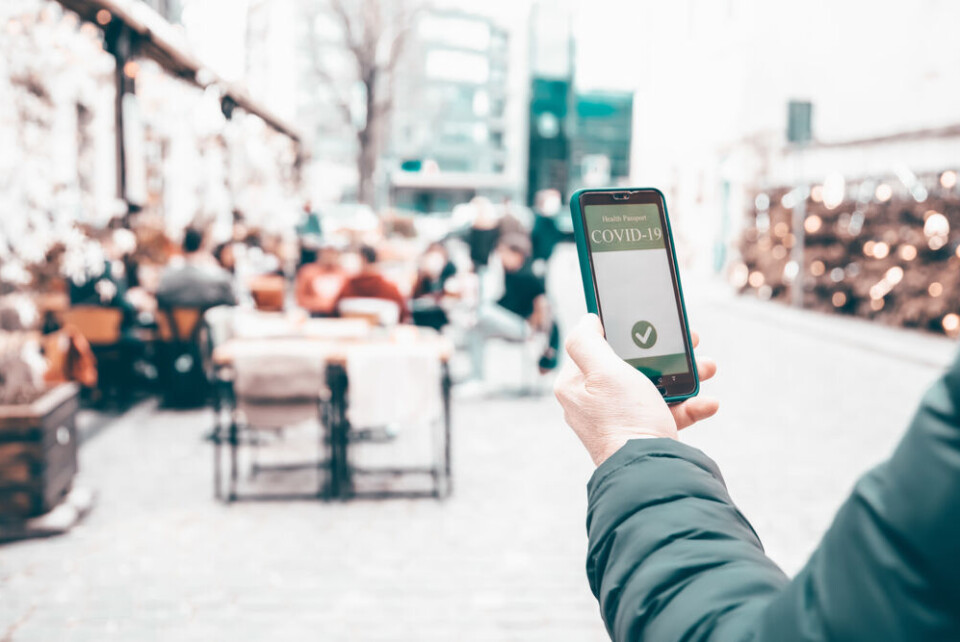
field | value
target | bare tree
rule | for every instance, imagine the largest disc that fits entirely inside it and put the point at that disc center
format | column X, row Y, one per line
column 374, row 33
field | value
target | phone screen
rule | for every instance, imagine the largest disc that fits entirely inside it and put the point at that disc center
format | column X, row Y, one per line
column 638, row 296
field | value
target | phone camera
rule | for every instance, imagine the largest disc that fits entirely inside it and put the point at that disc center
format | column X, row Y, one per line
column 621, row 196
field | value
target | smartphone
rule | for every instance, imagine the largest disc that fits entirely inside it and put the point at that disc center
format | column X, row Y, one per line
column 630, row 279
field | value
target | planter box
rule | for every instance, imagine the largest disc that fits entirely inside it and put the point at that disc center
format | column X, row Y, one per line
column 38, row 452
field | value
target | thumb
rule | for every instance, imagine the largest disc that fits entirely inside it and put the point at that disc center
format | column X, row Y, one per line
column 588, row 349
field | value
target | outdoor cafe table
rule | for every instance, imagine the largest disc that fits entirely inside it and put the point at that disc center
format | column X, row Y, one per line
column 335, row 342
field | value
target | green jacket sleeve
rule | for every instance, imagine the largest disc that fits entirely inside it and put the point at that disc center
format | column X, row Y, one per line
column 671, row 558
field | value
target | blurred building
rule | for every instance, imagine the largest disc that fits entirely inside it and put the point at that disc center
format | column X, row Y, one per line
column 577, row 138
column 551, row 53
column 600, row 140
column 456, row 123
column 449, row 128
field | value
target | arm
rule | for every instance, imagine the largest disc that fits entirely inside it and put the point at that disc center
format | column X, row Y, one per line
column 670, row 557
column 889, row 566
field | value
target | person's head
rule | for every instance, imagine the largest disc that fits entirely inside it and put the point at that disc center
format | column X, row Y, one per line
column 514, row 250
column 328, row 257
column 192, row 240
column 225, row 256
column 368, row 257
column 307, row 206
column 434, row 259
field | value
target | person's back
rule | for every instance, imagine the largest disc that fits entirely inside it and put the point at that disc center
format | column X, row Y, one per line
column 195, row 283
column 671, row 558
column 370, row 284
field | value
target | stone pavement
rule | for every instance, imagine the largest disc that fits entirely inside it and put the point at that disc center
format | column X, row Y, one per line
column 808, row 403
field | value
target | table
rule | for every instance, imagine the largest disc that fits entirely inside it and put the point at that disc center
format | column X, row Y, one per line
column 336, row 341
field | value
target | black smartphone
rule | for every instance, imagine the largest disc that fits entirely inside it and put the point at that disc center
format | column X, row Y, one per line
column 630, row 279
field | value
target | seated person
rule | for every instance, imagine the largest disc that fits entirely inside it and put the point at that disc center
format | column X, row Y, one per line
column 369, row 283
column 195, row 281
column 319, row 283
column 434, row 270
column 521, row 312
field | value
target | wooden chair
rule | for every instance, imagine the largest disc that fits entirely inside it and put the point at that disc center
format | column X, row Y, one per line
column 102, row 328
column 268, row 292
column 99, row 326
column 184, row 349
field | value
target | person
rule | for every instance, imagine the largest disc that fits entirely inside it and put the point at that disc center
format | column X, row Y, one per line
column 433, row 271
column 196, row 281
column 310, row 223
column 545, row 234
column 369, row 283
column 522, row 311
column 483, row 233
column 319, row 282
column 671, row 558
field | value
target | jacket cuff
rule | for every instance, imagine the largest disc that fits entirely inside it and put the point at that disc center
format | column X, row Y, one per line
column 636, row 450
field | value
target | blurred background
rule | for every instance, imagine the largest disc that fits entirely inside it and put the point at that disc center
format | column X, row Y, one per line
column 284, row 283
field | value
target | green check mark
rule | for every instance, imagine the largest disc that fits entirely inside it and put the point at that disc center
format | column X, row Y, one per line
column 644, row 334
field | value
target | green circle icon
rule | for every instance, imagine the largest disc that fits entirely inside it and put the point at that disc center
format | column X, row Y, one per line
column 644, row 334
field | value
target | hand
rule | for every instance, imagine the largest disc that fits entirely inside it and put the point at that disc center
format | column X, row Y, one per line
column 607, row 402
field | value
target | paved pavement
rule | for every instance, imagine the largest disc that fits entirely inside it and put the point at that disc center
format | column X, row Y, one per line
column 808, row 404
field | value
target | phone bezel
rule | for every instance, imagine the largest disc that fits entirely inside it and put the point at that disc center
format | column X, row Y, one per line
column 681, row 386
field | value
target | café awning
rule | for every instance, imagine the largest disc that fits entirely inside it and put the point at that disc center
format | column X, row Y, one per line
column 164, row 43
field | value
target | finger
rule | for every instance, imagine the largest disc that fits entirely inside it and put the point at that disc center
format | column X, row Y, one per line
column 694, row 339
column 587, row 347
column 706, row 368
column 694, row 410
column 567, row 380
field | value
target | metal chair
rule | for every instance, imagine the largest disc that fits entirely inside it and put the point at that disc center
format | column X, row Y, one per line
column 275, row 384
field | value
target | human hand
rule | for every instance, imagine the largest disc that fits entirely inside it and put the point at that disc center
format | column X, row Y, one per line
column 607, row 402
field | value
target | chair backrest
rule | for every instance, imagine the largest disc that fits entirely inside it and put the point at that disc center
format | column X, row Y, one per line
column 278, row 383
column 100, row 326
column 177, row 324
column 393, row 384
column 268, row 292
column 376, row 311
column 278, row 370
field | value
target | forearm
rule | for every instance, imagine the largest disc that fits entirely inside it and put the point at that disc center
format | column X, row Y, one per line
column 670, row 556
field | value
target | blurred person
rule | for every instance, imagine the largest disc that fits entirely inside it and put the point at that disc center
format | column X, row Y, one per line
column 370, row 283
column 195, row 280
column 670, row 557
column 107, row 286
column 320, row 281
column 521, row 313
column 545, row 235
column 226, row 256
column 434, row 269
column 310, row 224
column 484, row 232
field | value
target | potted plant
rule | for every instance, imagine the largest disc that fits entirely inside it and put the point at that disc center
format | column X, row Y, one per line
column 38, row 435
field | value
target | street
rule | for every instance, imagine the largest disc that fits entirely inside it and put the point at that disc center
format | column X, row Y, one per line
column 808, row 404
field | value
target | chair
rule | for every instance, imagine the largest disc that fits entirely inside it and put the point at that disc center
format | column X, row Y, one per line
column 269, row 292
column 375, row 311
column 184, row 348
column 397, row 417
column 276, row 383
column 102, row 328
